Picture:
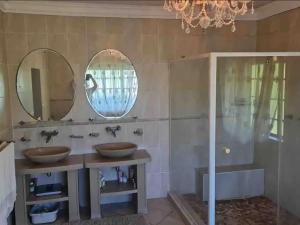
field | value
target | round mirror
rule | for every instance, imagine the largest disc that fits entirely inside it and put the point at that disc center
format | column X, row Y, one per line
column 45, row 85
column 111, row 84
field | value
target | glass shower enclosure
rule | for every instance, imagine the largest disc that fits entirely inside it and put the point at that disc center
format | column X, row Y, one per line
column 234, row 119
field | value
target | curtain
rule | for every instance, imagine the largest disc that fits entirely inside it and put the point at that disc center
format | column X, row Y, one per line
column 234, row 98
column 245, row 87
column 270, row 90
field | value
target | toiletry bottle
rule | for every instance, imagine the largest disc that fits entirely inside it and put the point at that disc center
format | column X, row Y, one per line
column 32, row 185
column 124, row 177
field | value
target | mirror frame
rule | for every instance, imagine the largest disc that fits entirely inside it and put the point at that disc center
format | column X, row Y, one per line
column 16, row 82
column 87, row 97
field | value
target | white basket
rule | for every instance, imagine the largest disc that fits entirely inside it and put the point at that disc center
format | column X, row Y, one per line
column 44, row 217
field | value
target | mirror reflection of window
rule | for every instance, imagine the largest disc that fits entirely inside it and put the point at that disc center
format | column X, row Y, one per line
column 111, row 84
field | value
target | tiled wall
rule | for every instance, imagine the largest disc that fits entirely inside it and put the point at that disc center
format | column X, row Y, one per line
column 149, row 44
column 78, row 39
column 189, row 99
column 281, row 33
column 5, row 121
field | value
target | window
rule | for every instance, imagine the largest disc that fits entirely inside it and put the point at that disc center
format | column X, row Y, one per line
column 276, row 98
column 277, row 102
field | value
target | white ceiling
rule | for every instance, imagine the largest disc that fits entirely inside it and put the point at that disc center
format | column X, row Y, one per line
column 257, row 3
column 128, row 8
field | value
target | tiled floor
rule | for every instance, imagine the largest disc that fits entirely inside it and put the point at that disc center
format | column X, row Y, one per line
column 252, row 211
column 162, row 212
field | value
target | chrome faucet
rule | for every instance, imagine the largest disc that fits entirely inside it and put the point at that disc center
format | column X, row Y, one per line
column 113, row 130
column 49, row 134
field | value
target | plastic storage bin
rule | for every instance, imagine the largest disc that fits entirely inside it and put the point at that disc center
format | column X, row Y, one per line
column 44, row 213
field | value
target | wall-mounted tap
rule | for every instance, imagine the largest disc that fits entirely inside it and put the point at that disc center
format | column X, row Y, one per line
column 113, row 130
column 24, row 139
column 49, row 134
column 94, row 134
column 138, row 132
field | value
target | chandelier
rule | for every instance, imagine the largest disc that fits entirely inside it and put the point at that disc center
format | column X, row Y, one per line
column 208, row 13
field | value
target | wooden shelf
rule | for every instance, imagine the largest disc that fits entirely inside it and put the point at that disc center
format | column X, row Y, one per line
column 118, row 209
column 114, row 188
column 32, row 199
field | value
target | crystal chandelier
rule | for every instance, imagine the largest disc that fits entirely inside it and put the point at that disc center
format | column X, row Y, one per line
column 208, row 13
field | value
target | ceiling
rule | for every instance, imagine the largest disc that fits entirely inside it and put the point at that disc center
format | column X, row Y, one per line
column 257, row 3
column 128, row 8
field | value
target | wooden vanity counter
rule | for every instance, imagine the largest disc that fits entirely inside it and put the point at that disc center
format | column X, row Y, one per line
column 72, row 162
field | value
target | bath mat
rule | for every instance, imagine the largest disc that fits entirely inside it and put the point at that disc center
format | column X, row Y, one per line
column 116, row 220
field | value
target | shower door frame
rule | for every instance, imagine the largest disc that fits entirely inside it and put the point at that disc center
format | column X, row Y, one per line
column 213, row 62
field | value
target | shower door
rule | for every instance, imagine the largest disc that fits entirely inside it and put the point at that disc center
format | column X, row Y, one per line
column 189, row 129
column 255, row 152
column 234, row 126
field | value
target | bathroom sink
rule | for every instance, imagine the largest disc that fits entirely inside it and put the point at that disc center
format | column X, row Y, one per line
column 47, row 154
column 116, row 150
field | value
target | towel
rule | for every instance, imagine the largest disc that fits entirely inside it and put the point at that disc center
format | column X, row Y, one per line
column 8, row 181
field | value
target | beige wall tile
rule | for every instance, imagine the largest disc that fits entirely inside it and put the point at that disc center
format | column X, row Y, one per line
column 16, row 47
column 76, row 24
column 2, row 49
column 150, row 26
column 244, row 44
column 244, row 28
column 5, row 112
column 114, row 25
column 169, row 27
column 14, row 22
column 96, row 42
column 166, row 47
column 187, row 46
column 112, row 41
column 37, row 40
column 132, row 26
column 35, row 23
column 148, row 75
column 203, row 43
column 58, row 42
column 150, row 48
column 95, row 25
column 1, row 22
column 131, row 46
column 56, row 24
column 77, row 48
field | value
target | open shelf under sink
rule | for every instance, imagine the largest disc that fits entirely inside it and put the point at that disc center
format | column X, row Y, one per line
column 115, row 188
column 32, row 199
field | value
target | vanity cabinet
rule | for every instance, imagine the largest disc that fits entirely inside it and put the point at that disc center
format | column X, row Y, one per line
column 95, row 162
column 25, row 199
